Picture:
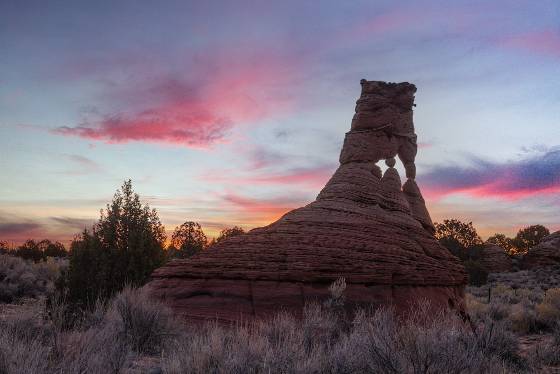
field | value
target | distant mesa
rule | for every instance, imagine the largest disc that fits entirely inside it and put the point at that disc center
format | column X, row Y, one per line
column 544, row 254
column 494, row 259
column 364, row 226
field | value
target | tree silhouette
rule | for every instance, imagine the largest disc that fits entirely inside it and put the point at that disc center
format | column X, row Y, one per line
column 454, row 230
column 51, row 249
column 228, row 233
column 528, row 237
column 187, row 240
column 124, row 247
column 502, row 241
column 30, row 251
column 463, row 241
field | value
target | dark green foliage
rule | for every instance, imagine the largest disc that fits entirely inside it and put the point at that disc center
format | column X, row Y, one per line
column 230, row 232
column 50, row 249
column 528, row 237
column 29, row 251
column 4, row 247
column 187, row 240
column 462, row 240
column 463, row 233
column 525, row 239
column 227, row 233
column 477, row 275
column 39, row 251
column 124, row 247
column 454, row 247
column 504, row 242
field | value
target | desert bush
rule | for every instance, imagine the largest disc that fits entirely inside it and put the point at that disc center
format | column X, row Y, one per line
column 548, row 311
column 22, row 356
column 549, row 308
column 477, row 309
column 523, row 319
column 24, row 344
column 108, row 336
column 20, row 278
column 117, row 332
column 95, row 350
column 104, row 340
column 145, row 324
column 377, row 341
column 547, row 354
column 498, row 311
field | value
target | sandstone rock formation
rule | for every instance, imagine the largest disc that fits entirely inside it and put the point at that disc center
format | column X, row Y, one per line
column 494, row 259
column 364, row 226
column 546, row 253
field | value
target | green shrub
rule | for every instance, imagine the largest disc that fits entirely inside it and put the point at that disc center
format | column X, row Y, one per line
column 477, row 275
column 124, row 247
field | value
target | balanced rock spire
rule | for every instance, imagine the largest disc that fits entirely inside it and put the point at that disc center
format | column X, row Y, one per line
column 364, row 226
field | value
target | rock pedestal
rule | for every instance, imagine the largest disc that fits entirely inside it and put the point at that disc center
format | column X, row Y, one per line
column 544, row 254
column 494, row 259
column 364, row 226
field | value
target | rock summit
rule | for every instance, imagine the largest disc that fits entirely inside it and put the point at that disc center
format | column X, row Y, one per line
column 365, row 226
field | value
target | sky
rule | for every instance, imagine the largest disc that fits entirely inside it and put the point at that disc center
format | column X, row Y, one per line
column 234, row 112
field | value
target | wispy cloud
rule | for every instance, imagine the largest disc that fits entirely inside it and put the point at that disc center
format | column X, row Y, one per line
column 198, row 106
column 314, row 177
column 81, row 165
column 545, row 42
column 10, row 229
column 73, row 223
column 513, row 180
column 260, row 211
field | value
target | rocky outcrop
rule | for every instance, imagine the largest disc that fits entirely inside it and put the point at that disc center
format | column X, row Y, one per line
column 546, row 253
column 494, row 259
column 364, row 226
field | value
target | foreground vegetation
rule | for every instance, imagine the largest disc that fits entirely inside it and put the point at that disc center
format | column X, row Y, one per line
column 25, row 279
column 132, row 333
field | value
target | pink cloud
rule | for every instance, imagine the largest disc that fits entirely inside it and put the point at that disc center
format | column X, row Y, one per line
column 314, row 177
column 198, row 107
column 163, row 125
column 545, row 42
column 422, row 19
column 260, row 212
column 495, row 190
column 535, row 176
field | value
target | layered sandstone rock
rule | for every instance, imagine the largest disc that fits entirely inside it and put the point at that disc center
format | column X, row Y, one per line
column 546, row 253
column 494, row 259
column 364, row 226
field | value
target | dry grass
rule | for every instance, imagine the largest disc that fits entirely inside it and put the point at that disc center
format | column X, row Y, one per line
column 119, row 334
column 526, row 310
column 548, row 311
column 375, row 342
column 20, row 278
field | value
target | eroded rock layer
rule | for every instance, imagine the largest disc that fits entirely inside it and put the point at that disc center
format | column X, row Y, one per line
column 364, row 226
column 494, row 259
column 544, row 254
